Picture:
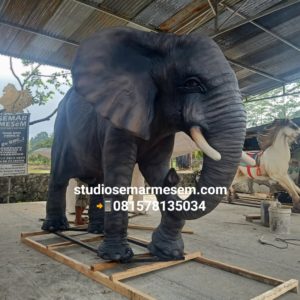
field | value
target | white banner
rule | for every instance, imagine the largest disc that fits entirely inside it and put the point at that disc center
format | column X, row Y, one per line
column 13, row 143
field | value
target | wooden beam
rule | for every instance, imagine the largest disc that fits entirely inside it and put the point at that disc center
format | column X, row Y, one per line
column 250, row 218
column 240, row 271
column 141, row 227
column 121, row 288
column 111, row 264
column 27, row 234
column 113, row 282
column 114, row 16
column 281, row 289
column 152, row 267
column 104, row 266
column 185, row 16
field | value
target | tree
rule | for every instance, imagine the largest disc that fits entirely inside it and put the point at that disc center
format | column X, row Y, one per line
column 265, row 111
column 41, row 86
column 41, row 140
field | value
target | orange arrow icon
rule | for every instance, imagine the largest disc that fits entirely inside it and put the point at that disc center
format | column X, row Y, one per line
column 100, row 205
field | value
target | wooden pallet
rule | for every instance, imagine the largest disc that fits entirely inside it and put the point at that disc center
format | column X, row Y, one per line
column 252, row 200
column 252, row 217
column 114, row 281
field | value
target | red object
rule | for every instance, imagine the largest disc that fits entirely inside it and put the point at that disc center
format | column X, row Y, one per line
column 250, row 169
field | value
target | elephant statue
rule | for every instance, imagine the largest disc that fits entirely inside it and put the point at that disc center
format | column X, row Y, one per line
column 132, row 91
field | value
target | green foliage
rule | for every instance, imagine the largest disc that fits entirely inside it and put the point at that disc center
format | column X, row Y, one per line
column 265, row 111
column 198, row 155
column 38, row 159
column 42, row 86
column 41, row 140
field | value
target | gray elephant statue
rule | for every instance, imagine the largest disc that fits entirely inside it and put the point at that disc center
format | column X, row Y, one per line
column 132, row 91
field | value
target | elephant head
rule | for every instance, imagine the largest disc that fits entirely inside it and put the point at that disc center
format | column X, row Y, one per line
column 153, row 84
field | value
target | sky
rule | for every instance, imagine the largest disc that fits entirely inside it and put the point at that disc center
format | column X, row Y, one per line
column 36, row 111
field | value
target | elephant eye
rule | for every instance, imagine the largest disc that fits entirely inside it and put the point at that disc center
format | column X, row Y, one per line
column 193, row 84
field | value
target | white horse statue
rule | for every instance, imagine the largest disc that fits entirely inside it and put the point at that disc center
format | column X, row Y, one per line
column 272, row 162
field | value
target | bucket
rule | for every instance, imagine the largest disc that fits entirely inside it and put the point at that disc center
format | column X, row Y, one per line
column 280, row 219
column 264, row 213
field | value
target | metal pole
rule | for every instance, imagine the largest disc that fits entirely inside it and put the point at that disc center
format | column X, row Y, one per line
column 233, row 14
column 216, row 16
column 211, row 7
column 84, row 245
column 256, row 71
column 8, row 189
column 260, row 15
column 272, row 97
column 275, row 35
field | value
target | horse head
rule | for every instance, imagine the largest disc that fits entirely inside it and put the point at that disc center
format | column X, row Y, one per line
column 291, row 130
column 268, row 135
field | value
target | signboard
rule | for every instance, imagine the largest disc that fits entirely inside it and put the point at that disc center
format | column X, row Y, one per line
column 13, row 143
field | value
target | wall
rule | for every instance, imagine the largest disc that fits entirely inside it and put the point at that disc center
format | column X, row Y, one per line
column 25, row 188
column 34, row 187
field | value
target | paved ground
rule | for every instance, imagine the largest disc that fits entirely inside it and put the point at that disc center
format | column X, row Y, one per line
column 223, row 235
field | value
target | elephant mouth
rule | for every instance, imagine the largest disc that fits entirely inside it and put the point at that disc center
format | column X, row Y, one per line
column 199, row 139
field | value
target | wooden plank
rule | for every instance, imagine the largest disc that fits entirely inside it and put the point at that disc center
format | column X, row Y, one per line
column 240, row 271
column 143, row 255
column 27, row 234
column 250, row 218
column 141, row 227
column 109, row 265
column 142, row 241
column 104, row 266
column 113, row 282
column 121, row 288
column 152, row 267
column 279, row 290
column 59, row 245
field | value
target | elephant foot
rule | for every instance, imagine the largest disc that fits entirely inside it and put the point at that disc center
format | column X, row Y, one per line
column 96, row 227
column 296, row 208
column 166, row 247
column 115, row 250
column 55, row 224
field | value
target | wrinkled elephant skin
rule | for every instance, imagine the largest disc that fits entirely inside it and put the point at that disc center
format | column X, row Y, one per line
column 132, row 91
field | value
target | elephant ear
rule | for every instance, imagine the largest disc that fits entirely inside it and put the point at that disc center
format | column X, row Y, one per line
column 112, row 71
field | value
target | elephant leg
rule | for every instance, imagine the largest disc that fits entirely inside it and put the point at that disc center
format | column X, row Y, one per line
column 119, row 158
column 115, row 245
column 56, row 207
column 96, row 214
column 167, row 242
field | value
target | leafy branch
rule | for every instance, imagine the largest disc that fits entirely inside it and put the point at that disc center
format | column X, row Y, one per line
column 265, row 111
column 41, row 86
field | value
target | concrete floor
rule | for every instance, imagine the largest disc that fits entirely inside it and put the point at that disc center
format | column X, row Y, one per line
column 223, row 235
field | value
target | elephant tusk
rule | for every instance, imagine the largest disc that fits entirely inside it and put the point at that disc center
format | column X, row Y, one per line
column 247, row 159
column 201, row 142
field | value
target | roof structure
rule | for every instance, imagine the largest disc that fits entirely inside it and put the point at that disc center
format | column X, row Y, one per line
column 261, row 39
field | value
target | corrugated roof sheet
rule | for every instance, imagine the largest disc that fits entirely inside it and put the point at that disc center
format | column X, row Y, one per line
column 71, row 21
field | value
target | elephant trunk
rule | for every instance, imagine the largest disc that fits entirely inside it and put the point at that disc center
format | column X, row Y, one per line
column 223, row 149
